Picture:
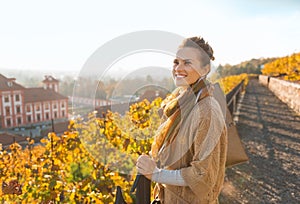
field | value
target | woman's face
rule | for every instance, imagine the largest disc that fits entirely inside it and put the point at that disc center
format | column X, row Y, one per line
column 187, row 67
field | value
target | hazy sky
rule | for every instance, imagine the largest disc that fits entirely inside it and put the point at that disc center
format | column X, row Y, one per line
column 61, row 35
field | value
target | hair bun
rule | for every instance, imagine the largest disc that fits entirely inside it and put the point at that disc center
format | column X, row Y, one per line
column 199, row 42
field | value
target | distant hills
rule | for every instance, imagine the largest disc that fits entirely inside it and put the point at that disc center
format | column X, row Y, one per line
column 252, row 66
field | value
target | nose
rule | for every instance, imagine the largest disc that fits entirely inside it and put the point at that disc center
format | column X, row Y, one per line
column 178, row 67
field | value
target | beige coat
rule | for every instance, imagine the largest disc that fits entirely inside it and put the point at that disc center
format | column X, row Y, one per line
column 199, row 150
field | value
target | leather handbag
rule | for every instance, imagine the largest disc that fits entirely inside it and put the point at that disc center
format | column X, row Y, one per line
column 156, row 201
column 235, row 150
column 119, row 196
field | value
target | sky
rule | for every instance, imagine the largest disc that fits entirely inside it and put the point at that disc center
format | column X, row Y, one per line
column 62, row 35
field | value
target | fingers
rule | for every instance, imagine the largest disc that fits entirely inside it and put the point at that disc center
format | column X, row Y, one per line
column 142, row 171
column 142, row 163
column 145, row 165
column 143, row 157
column 144, row 160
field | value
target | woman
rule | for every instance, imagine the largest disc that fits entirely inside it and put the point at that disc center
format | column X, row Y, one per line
column 189, row 150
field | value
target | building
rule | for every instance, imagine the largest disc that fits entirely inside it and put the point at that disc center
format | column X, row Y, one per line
column 20, row 106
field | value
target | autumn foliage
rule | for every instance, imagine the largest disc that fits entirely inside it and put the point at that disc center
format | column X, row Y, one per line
column 229, row 82
column 286, row 67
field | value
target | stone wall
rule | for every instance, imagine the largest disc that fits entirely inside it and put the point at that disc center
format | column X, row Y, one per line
column 263, row 79
column 286, row 91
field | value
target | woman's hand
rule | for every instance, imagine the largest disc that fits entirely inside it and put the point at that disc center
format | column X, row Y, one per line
column 146, row 166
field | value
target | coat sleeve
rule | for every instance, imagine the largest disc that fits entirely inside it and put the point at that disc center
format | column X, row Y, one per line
column 207, row 168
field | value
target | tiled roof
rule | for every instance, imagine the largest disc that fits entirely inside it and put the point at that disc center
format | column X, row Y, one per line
column 8, row 138
column 4, row 84
column 59, row 128
column 41, row 94
column 50, row 79
column 120, row 108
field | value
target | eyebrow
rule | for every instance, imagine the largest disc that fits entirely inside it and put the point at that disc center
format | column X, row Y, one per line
column 183, row 59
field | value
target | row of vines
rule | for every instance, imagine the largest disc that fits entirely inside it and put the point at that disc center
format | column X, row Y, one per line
column 229, row 82
column 287, row 67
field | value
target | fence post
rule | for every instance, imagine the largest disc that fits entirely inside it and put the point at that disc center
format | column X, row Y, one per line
column 234, row 104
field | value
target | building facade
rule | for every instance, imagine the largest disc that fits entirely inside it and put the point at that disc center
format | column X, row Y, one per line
column 20, row 106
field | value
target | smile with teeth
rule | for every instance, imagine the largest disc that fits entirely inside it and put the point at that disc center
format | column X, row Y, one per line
column 180, row 75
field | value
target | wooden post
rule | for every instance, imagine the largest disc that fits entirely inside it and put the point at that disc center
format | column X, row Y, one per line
column 234, row 104
column 52, row 124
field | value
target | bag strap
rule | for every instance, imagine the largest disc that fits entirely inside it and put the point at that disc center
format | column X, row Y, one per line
column 162, row 187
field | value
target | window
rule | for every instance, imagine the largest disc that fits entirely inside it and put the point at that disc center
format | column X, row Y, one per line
column 63, row 105
column 28, row 108
column 55, row 114
column 8, row 122
column 37, row 107
column 28, row 118
column 55, row 106
column 7, row 110
column 17, row 97
column 6, row 99
column 63, row 113
column 18, row 109
column 47, row 116
column 38, row 117
column 47, row 106
column 19, row 120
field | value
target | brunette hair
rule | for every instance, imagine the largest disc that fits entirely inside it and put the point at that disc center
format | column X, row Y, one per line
column 200, row 44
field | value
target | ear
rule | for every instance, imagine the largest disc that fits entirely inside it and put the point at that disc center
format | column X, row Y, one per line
column 205, row 70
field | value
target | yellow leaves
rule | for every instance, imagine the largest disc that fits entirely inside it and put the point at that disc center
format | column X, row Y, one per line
column 140, row 114
column 229, row 82
column 94, row 175
column 96, row 197
column 288, row 67
column 44, row 141
column 156, row 102
column 71, row 124
column 15, row 146
column 30, row 141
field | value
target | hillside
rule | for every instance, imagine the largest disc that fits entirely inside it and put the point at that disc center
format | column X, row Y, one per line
column 252, row 66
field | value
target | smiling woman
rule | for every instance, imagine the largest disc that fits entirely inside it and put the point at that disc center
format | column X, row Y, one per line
column 189, row 149
column 192, row 61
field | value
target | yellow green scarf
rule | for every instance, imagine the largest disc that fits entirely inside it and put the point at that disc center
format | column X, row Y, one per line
column 176, row 108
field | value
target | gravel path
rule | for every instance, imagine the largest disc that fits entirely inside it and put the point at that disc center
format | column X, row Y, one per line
column 270, row 132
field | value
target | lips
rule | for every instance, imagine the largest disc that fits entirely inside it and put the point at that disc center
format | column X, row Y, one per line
column 180, row 76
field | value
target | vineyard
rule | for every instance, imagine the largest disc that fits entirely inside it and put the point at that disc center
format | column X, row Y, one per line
column 86, row 163
column 286, row 67
column 229, row 82
column 80, row 166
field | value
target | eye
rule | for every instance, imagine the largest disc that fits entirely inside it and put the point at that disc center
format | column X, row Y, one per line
column 175, row 62
column 187, row 62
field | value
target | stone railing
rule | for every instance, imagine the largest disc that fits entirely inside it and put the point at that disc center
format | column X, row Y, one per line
column 288, row 92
